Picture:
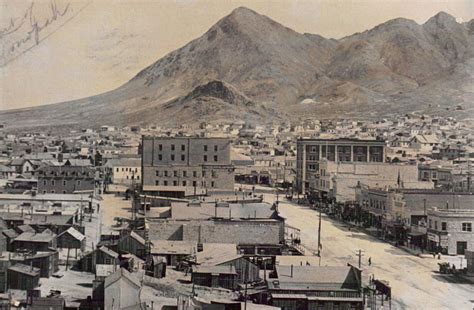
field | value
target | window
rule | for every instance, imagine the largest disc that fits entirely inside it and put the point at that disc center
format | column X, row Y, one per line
column 157, row 173
column 194, row 175
column 185, row 174
column 175, row 183
column 183, row 157
column 183, row 147
column 166, row 173
column 466, row 226
column 175, row 173
column 118, row 169
column 205, row 158
column 443, row 225
column 436, row 225
column 212, row 183
column 160, row 147
column 123, row 169
column 204, row 174
column 64, row 183
column 44, row 182
column 78, row 182
column 312, row 167
column 215, row 157
column 172, row 147
column 165, row 183
column 215, row 148
column 157, row 182
column 160, row 157
column 184, row 183
column 429, row 223
column 205, row 148
column 172, row 157
column 194, row 183
column 214, row 174
column 52, row 182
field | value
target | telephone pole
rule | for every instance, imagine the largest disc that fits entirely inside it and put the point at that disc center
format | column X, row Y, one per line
column 360, row 254
column 319, row 234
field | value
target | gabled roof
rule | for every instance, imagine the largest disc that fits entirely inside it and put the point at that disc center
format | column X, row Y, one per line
column 10, row 233
column 121, row 274
column 74, row 233
column 25, row 228
column 45, row 236
column 137, row 237
column 108, row 251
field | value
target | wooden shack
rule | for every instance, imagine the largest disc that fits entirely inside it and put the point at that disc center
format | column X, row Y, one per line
column 132, row 243
column 23, row 277
column 72, row 239
column 215, row 276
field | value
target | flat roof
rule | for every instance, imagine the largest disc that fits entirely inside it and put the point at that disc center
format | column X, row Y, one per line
column 207, row 210
column 341, row 140
column 215, row 269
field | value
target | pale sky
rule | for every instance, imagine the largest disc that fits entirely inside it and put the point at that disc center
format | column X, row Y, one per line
column 89, row 47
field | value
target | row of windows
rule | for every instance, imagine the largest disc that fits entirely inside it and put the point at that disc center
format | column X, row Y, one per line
column 127, row 169
column 183, row 157
column 53, row 192
column 65, row 182
column 183, row 174
column 183, row 183
column 183, row 147
column 464, row 226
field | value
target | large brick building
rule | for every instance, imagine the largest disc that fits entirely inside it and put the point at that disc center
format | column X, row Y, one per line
column 311, row 151
column 182, row 166
column 65, row 179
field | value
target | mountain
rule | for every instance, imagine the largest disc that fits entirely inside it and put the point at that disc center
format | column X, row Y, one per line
column 249, row 67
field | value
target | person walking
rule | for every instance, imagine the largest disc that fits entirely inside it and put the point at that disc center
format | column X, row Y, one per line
column 370, row 261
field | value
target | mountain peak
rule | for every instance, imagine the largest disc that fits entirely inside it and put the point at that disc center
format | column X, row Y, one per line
column 242, row 10
column 442, row 19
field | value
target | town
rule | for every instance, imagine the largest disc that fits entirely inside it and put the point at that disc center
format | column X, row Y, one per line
column 321, row 214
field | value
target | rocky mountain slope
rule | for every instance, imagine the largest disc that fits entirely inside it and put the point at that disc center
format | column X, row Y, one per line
column 249, row 67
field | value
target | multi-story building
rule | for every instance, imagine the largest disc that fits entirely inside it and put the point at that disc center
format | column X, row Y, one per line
column 183, row 166
column 124, row 170
column 66, row 179
column 311, row 151
column 450, row 230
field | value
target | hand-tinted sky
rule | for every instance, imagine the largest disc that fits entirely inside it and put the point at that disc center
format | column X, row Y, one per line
column 93, row 46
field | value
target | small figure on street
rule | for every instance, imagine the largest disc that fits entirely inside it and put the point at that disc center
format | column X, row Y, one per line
column 434, row 255
column 370, row 261
column 439, row 255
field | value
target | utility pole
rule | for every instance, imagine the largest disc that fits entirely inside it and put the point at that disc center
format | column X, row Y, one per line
column 246, row 280
column 424, row 207
column 319, row 234
column 360, row 254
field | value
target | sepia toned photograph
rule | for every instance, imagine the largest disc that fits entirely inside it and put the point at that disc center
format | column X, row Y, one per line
column 236, row 154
